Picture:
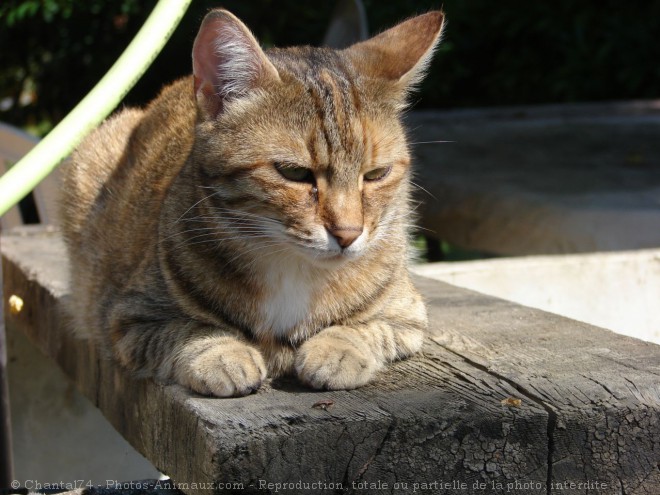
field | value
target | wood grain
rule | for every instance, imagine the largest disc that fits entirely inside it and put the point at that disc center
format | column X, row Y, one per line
column 588, row 411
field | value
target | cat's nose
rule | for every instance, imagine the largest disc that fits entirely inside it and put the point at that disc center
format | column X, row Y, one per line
column 345, row 235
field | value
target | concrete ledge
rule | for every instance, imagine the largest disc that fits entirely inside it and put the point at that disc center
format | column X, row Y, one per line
column 541, row 180
column 504, row 399
column 618, row 290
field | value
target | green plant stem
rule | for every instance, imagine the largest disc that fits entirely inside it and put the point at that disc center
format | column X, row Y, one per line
column 96, row 106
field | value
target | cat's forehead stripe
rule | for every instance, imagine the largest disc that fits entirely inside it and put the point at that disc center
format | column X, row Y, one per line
column 331, row 108
column 342, row 136
column 337, row 106
column 324, row 128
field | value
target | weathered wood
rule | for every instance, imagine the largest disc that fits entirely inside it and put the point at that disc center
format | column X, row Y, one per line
column 589, row 410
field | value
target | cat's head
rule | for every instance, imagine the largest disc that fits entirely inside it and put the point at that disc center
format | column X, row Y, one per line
column 303, row 148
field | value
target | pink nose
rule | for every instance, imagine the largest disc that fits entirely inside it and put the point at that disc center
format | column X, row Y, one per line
column 345, row 235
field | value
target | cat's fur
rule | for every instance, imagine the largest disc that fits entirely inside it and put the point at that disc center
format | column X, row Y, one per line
column 196, row 260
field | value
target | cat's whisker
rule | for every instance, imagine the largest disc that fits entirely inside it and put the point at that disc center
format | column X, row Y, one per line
column 430, row 142
column 224, row 223
column 250, row 251
column 423, row 189
column 271, row 253
column 183, row 232
column 243, row 213
column 256, row 220
column 229, row 234
column 218, row 229
column 230, row 215
column 396, row 218
column 218, row 242
column 417, row 227
column 222, row 239
column 270, row 241
column 198, row 202
column 218, row 218
column 221, row 232
column 199, row 243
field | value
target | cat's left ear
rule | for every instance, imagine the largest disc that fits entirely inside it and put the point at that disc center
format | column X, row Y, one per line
column 227, row 62
column 402, row 53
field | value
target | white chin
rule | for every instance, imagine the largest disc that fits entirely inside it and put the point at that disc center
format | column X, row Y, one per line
column 328, row 258
column 328, row 253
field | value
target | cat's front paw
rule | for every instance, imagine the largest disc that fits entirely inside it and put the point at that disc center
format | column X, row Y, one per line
column 224, row 367
column 329, row 361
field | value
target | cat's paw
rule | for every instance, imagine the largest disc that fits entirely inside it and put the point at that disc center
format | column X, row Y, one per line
column 224, row 368
column 409, row 341
column 327, row 361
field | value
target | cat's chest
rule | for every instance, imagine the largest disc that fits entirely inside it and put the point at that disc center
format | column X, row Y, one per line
column 288, row 293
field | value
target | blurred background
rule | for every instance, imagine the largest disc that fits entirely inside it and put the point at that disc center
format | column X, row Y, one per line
column 494, row 53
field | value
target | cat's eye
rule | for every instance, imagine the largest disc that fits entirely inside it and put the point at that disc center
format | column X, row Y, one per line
column 295, row 173
column 377, row 173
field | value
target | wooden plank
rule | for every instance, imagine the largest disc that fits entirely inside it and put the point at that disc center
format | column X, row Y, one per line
column 589, row 410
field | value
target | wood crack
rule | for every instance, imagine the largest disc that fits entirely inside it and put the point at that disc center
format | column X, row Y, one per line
column 552, row 415
column 381, row 445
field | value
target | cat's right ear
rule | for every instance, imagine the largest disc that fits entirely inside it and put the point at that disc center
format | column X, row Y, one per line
column 227, row 62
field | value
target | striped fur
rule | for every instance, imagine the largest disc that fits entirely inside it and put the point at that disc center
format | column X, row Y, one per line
column 196, row 260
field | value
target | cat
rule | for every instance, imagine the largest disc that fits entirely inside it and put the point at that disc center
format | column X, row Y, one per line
column 253, row 220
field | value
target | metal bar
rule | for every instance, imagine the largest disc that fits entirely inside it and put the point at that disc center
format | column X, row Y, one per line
column 6, row 455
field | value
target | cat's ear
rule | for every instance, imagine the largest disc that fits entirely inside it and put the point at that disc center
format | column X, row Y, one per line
column 227, row 62
column 402, row 53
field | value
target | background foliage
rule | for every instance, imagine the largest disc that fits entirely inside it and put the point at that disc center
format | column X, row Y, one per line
column 52, row 52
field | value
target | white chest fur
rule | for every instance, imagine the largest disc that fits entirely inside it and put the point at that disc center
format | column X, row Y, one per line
column 289, row 287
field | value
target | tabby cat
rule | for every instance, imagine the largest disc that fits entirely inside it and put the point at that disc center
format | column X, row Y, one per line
column 252, row 221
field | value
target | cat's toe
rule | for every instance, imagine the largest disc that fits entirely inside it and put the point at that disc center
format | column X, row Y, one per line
column 227, row 370
column 333, row 364
column 409, row 341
